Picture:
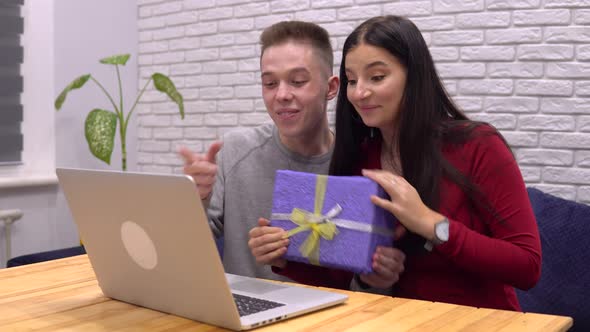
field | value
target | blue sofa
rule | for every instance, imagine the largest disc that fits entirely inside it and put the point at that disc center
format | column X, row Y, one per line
column 45, row 256
column 564, row 287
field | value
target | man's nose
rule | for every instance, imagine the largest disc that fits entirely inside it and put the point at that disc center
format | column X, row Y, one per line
column 284, row 91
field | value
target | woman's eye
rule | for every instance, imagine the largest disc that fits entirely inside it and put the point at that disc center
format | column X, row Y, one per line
column 269, row 84
column 378, row 78
column 351, row 82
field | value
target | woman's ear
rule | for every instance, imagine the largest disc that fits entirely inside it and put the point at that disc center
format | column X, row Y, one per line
column 333, row 84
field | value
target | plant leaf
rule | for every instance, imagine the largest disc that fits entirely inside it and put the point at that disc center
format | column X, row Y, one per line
column 120, row 59
column 76, row 84
column 100, row 128
column 164, row 84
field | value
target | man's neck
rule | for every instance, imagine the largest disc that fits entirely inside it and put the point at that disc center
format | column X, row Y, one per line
column 316, row 144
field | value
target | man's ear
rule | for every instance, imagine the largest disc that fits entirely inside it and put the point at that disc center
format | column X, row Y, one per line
column 333, row 84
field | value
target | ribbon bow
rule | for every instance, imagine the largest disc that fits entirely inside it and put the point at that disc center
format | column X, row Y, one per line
column 320, row 225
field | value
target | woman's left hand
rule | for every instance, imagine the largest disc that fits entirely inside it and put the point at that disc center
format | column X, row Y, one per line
column 405, row 203
column 388, row 264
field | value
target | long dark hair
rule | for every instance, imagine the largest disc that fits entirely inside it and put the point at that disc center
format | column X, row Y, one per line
column 428, row 117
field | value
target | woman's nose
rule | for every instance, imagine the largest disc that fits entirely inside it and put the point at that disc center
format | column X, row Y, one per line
column 361, row 91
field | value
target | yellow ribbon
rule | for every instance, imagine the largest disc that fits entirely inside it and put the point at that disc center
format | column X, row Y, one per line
column 319, row 224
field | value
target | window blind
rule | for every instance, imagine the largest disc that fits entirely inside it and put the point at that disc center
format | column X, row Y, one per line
column 11, row 82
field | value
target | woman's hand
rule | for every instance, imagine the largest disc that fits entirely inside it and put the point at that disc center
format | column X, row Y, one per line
column 405, row 203
column 388, row 264
column 268, row 244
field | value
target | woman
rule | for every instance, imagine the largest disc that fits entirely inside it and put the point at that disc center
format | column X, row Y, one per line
column 454, row 184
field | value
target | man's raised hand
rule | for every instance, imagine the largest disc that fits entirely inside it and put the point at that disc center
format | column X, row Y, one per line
column 202, row 167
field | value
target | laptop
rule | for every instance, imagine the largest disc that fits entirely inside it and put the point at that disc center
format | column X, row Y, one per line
column 148, row 239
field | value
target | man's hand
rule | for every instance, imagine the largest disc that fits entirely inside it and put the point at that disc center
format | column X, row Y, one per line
column 202, row 167
column 268, row 244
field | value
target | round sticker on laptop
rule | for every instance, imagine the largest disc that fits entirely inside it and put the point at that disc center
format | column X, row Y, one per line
column 139, row 246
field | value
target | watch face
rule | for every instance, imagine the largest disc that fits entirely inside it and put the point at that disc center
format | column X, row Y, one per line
column 442, row 230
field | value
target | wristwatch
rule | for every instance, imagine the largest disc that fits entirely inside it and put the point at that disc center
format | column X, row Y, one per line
column 441, row 232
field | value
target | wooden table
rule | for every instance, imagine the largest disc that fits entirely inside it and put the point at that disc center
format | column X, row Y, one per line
column 64, row 295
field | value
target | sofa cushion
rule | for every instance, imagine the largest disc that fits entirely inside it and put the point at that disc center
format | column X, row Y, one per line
column 45, row 256
column 564, row 286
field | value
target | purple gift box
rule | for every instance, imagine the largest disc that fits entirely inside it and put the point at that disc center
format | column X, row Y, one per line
column 345, row 202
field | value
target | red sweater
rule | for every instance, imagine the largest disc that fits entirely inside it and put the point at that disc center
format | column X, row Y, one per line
column 484, row 259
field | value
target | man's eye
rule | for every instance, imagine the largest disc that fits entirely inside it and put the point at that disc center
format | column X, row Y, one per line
column 298, row 83
column 269, row 84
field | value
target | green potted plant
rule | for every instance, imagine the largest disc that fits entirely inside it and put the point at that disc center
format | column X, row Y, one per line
column 101, row 125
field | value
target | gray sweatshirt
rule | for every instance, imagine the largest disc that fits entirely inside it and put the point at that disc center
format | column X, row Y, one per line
column 243, row 191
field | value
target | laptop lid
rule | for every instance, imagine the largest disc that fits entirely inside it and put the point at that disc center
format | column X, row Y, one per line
column 149, row 242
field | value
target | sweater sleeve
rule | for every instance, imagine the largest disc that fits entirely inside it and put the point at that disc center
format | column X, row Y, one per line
column 215, row 206
column 511, row 249
column 316, row 275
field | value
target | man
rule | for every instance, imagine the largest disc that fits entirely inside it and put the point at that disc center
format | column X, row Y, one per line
column 237, row 181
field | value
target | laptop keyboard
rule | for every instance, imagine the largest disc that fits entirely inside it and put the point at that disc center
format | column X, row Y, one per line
column 250, row 305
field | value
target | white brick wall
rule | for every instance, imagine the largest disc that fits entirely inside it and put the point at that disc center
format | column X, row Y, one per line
column 522, row 65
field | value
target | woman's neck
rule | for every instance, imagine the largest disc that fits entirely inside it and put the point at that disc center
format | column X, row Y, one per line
column 390, row 158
